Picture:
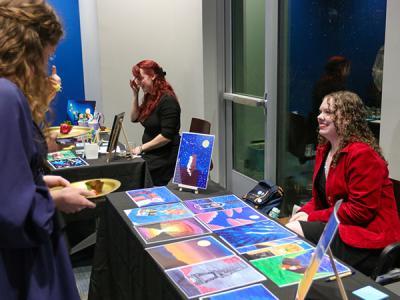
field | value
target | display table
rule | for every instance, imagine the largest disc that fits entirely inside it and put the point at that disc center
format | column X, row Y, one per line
column 122, row 269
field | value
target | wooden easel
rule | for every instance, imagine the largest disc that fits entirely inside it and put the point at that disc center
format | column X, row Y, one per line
column 114, row 140
column 337, row 275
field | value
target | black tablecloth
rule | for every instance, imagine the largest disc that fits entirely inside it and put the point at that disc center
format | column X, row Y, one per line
column 132, row 173
column 122, row 269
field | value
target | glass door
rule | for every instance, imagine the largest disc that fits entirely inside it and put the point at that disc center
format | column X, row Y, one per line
column 250, row 97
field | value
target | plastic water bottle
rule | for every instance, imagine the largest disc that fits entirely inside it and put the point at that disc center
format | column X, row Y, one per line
column 274, row 213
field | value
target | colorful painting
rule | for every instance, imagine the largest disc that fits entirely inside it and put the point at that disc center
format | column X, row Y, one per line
column 188, row 252
column 152, row 196
column 252, row 234
column 65, row 154
column 80, row 110
column 158, row 213
column 67, row 163
column 171, row 230
column 214, row 203
column 252, row 292
column 214, row 276
column 289, row 269
column 288, row 246
column 293, row 239
column 230, row 217
column 194, row 159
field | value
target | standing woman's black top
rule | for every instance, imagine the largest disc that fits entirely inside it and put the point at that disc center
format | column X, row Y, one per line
column 165, row 119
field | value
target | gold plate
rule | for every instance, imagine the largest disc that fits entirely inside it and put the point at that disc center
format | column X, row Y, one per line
column 75, row 131
column 106, row 130
column 110, row 185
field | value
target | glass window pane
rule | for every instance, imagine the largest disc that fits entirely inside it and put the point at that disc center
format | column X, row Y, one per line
column 314, row 37
column 248, row 140
column 248, row 49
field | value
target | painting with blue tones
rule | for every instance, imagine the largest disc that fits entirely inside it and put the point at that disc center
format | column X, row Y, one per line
column 274, row 244
column 214, row 276
column 80, row 110
column 67, row 163
column 230, row 217
column 214, row 203
column 253, row 292
column 194, row 159
column 252, row 234
column 152, row 196
column 158, row 213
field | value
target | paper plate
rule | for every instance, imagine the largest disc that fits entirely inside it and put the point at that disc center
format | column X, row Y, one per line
column 75, row 131
column 109, row 186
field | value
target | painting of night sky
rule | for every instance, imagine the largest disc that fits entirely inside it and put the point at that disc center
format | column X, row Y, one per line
column 194, row 159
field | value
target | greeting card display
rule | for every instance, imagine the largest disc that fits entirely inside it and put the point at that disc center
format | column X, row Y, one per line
column 199, row 206
column 152, row 196
column 194, row 159
column 188, row 252
column 171, row 230
column 158, row 213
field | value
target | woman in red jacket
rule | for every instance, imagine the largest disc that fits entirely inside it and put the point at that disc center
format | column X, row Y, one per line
column 349, row 165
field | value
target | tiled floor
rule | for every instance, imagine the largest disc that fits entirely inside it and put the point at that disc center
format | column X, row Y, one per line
column 82, row 277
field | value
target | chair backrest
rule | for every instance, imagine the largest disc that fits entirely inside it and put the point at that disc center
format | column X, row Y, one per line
column 396, row 188
column 200, row 126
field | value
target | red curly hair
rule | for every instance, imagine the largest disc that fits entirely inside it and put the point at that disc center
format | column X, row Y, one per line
column 160, row 85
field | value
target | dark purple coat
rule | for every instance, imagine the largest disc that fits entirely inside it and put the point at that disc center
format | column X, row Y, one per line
column 34, row 262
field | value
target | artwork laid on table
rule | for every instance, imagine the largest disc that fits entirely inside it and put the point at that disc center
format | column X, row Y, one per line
column 194, row 159
column 214, row 276
column 254, row 292
column 251, row 234
column 188, row 252
column 158, row 213
column 198, row 206
column 319, row 252
column 171, row 230
column 152, row 196
column 281, row 247
column 290, row 268
column 230, row 217
column 80, row 110
column 64, row 154
column 67, row 163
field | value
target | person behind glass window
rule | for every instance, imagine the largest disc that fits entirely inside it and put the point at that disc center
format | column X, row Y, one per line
column 349, row 165
column 159, row 113
column 34, row 261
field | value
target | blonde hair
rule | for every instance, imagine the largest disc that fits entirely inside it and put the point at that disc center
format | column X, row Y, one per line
column 27, row 28
column 350, row 120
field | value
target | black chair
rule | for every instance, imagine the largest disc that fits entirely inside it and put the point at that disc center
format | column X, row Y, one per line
column 388, row 269
column 201, row 126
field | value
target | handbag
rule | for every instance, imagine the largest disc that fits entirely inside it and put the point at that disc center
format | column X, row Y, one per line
column 264, row 196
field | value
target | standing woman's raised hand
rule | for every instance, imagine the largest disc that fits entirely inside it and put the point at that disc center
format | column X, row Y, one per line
column 134, row 86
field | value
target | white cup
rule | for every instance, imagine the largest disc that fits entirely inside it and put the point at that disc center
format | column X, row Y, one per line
column 91, row 150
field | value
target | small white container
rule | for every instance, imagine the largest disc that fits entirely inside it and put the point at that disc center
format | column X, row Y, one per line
column 91, row 150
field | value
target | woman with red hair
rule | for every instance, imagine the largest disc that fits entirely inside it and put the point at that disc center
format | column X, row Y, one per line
column 159, row 113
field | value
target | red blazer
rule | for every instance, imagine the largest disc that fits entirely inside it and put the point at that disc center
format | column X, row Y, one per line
column 368, row 215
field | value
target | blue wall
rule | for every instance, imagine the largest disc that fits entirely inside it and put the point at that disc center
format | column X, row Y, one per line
column 68, row 59
column 321, row 29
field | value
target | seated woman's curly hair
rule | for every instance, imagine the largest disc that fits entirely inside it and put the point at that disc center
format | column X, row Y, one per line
column 350, row 119
column 27, row 27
